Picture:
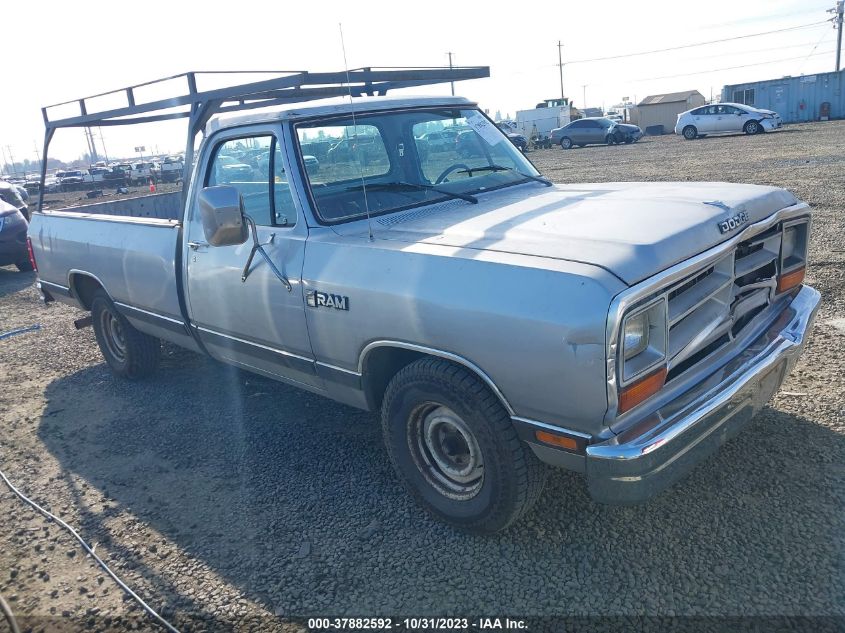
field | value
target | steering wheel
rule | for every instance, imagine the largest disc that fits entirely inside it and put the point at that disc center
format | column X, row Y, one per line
column 448, row 171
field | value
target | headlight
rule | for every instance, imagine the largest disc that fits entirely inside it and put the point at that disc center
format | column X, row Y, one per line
column 635, row 335
column 794, row 246
column 643, row 339
column 793, row 255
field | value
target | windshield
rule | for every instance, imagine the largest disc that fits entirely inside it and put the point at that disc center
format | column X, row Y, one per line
column 388, row 161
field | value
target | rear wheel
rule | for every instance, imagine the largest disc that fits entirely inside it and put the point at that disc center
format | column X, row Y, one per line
column 128, row 352
column 24, row 266
column 455, row 449
column 690, row 132
column 566, row 142
column 752, row 127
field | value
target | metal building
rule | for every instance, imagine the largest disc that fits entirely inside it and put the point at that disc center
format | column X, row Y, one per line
column 795, row 99
column 663, row 110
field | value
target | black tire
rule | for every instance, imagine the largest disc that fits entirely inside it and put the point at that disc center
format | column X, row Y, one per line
column 566, row 143
column 628, row 141
column 690, row 132
column 609, row 140
column 752, row 127
column 24, row 266
column 439, row 418
column 128, row 352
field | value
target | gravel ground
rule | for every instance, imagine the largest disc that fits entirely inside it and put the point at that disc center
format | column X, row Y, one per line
column 224, row 498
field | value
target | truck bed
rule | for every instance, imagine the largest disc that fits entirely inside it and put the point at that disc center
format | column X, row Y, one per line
column 128, row 246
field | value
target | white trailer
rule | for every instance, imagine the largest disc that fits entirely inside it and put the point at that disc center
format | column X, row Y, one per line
column 539, row 122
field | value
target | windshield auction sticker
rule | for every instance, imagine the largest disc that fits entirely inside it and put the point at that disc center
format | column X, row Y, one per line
column 485, row 129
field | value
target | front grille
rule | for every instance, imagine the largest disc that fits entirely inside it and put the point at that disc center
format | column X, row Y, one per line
column 711, row 308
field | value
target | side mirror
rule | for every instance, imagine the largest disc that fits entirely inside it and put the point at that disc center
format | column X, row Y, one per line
column 222, row 214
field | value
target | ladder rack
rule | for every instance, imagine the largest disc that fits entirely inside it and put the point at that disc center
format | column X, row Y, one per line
column 282, row 88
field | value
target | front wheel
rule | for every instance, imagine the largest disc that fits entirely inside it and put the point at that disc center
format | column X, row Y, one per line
column 454, row 447
column 690, row 132
column 609, row 140
column 566, row 143
column 753, row 127
column 128, row 352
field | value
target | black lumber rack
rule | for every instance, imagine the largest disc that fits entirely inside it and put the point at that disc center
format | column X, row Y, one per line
column 281, row 88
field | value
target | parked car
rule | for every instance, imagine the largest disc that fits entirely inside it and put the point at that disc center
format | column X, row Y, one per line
column 363, row 146
column 168, row 169
column 436, row 142
column 98, row 173
column 719, row 118
column 497, row 321
column 71, row 180
column 588, row 131
column 468, row 144
column 10, row 194
column 519, row 140
column 140, row 173
column 627, row 133
column 230, row 169
column 13, row 227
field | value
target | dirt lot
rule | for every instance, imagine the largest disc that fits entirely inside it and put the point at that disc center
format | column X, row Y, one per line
column 226, row 499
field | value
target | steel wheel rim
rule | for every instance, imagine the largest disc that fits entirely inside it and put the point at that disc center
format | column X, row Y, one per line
column 566, row 143
column 113, row 334
column 446, row 452
column 752, row 127
column 689, row 133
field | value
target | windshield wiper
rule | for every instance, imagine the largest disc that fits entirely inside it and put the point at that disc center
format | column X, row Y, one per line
column 399, row 186
column 545, row 181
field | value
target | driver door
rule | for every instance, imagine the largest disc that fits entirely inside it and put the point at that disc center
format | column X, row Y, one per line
column 257, row 323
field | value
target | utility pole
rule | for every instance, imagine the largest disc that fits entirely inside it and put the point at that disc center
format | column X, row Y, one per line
column 837, row 24
column 12, row 159
column 103, row 141
column 560, row 65
column 37, row 154
column 450, row 68
column 584, row 88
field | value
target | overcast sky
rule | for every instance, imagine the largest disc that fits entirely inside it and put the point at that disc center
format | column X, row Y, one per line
column 81, row 48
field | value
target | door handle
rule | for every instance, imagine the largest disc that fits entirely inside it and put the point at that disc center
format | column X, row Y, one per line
column 197, row 245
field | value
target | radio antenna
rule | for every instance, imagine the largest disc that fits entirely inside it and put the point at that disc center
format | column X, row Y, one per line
column 355, row 125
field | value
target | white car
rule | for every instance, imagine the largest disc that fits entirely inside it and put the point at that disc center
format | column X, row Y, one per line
column 726, row 117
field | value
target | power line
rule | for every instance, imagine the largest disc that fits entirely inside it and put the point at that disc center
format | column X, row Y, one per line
column 813, row 50
column 761, row 50
column 677, row 48
column 758, row 18
column 715, row 70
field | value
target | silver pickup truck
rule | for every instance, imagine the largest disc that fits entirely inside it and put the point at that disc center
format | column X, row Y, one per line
column 500, row 323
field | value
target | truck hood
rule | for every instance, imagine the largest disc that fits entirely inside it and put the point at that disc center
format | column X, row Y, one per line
column 633, row 230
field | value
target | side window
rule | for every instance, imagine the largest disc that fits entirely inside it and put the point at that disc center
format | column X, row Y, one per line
column 578, row 124
column 254, row 166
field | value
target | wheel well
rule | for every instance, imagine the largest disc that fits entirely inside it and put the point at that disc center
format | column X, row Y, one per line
column 382, row 363
column 380, row 366
column 83, row 288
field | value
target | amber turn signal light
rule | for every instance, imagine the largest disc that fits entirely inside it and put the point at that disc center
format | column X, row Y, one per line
column 787, row 281
column 641, row 390
column 558, row 441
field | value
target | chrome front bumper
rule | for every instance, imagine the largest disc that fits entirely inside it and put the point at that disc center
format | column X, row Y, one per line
column 644, row 460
